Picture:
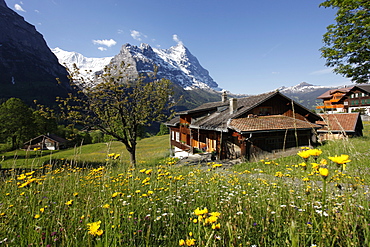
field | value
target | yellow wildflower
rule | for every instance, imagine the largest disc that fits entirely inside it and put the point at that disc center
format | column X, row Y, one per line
column 323, row 162
column 115, row 194
column 315, row 166
column 70, row 202
column 324, row 172
column 94, row 228
column 340, row 160
column 200, row 212
column 304, row 154
column 314, row 152
column 190, row 242
column 216, row 226
column 216, row 214
column 181, row 242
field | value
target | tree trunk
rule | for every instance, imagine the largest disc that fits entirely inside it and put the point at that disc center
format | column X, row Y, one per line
column 14, row 140
column 132, row 151
column 133, row 158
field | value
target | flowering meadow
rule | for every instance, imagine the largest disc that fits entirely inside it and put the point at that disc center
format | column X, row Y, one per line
column 318, row 197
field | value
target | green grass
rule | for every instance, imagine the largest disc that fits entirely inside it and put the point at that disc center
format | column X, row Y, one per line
column 266, row 203
column 149, row 150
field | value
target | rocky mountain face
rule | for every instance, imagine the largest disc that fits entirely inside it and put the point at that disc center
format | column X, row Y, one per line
column 28, row 68
column 176, row 64
column 191, row 81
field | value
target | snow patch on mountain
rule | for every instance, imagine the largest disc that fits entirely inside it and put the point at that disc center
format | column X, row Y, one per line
column 303, row 87
column 176, row 64
column 87, row 66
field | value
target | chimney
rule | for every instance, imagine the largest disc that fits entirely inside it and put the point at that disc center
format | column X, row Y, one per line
column 233, row 105
column 224, row 97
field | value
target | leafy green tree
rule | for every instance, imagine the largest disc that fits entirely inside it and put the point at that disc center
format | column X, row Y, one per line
column 16, row 122
column 119, row 105
column 163, row 130
column 347, row 43
column 43, row 124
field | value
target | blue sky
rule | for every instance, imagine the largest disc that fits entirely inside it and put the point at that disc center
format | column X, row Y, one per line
column 247, row 46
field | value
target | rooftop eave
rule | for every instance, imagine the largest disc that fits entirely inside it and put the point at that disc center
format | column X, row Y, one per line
column 273, row 130
column 191, row 126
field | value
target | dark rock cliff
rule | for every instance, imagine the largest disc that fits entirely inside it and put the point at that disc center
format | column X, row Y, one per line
column 28, row 68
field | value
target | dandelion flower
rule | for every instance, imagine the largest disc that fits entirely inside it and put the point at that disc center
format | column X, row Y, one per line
column 314, row 152
column 181, row 242
column 36, row 216
column 324, row 172
column 340, row 160
column 69, row 203
column 115, row 194
column 216, row 226
column 190, row 242
column 304, row 154
column 94, row 228
column 200, row 212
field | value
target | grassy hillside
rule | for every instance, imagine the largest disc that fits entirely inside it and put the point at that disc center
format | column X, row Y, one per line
column 149, row 151
column 284, row 202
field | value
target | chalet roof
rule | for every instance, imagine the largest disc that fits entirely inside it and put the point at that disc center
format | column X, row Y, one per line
column 340, row 122
column 328, row 94
column 365, row 87
column 269, row 123
column 219, row 118
column 174, row 121
column 244, row 104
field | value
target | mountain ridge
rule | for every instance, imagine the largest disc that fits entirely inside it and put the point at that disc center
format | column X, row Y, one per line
column 176, row 64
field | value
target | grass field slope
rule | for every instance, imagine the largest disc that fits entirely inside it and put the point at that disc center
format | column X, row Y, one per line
column 90, row 196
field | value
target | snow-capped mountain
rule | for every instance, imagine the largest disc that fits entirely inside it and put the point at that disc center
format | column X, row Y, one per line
column 176, row 64
column 87, row 65
column 306, row 94
column 303, row 87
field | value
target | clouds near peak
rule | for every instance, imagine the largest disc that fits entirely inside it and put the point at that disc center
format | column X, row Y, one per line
column 176, row 39
column 18, row 7
column 137, row 35
column 105, row 42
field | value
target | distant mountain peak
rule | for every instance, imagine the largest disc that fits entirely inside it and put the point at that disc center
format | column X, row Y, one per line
column 176, row 64
column 303, row 84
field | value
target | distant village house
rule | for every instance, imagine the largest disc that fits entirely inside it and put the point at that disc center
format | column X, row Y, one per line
column 339, row 126
column 46, row 142
column 347, row 100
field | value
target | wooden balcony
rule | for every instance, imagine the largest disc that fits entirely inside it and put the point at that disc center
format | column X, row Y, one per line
column 330, row 106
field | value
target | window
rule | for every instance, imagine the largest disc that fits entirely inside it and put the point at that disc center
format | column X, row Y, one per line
column 264, row 110
column 177, row 136
column 172, row 135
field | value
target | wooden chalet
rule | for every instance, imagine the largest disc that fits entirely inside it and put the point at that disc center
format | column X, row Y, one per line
column 244, row 128
column 46, row 142
column 347, row 99
column 339, row 126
